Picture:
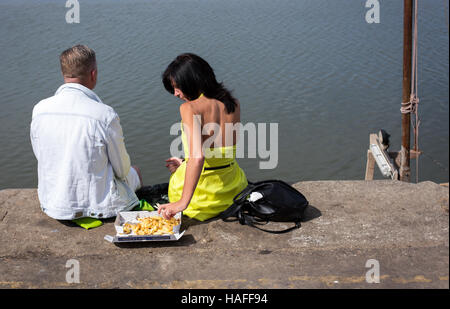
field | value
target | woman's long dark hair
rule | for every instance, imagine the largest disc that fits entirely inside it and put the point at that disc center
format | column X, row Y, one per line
column 194, row 76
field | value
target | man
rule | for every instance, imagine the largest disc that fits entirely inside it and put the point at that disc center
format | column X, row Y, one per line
column 83, row 166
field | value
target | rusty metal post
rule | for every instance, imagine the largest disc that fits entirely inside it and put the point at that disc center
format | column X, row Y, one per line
column 405, row 171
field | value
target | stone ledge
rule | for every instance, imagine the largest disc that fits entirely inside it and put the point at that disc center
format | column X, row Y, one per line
column 402, row 225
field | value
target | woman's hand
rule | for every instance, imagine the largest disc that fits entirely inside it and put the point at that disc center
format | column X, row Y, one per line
column 173, row 163
column 169, row 210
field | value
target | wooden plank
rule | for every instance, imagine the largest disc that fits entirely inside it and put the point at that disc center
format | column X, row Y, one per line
column 370, row 166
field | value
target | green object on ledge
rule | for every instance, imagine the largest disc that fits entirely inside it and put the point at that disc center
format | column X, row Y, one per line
column 144, row 205
column 88, row 223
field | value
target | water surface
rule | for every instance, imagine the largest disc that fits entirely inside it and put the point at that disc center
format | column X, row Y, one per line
column 315, row 67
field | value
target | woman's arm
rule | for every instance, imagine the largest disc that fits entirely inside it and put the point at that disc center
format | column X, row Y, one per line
column 194, row 165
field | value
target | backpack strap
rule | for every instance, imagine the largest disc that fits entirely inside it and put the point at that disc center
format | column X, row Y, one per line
column 231, row 211
column 238, row 201
column 241, row 197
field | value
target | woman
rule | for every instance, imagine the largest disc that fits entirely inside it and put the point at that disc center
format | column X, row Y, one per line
column 203, row 185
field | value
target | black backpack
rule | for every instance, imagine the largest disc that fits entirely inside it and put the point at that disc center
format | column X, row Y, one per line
column 264, row 201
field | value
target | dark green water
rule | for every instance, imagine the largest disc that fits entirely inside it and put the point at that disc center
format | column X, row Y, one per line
column 315, row 67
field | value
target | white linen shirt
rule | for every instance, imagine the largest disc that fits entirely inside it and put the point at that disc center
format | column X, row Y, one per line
column 82, row 159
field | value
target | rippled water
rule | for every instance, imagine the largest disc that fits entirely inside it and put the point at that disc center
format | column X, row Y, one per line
column 315, row 67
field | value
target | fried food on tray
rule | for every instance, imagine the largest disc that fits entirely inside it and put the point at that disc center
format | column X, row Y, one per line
column 151, row 226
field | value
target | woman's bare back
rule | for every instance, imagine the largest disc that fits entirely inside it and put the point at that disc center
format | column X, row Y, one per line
column 213, row 116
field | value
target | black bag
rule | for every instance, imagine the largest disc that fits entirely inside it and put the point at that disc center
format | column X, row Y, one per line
column 154, row 194
column 277, row 202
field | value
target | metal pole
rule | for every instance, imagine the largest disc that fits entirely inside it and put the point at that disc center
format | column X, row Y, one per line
column 405, row 171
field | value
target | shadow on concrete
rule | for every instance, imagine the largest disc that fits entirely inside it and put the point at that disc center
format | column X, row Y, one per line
column 70, row 223
column 185, row 241
column 311, row 213
column 187, row 222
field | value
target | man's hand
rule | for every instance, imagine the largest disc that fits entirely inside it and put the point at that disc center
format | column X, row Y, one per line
column 173, row 163
column 167, row 211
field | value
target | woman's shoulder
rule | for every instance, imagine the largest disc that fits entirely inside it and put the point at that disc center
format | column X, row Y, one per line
column 197, row 106
column 186, row 106
column 205, row 106
column 187, row 110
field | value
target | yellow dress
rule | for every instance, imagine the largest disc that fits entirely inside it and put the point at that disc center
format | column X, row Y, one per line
column 221, row 180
